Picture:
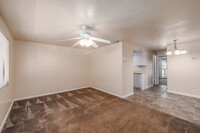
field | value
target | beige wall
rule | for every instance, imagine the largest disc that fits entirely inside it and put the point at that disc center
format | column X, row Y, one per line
column 184, row 72
column 149, row 68
column 6, row 96
column 106, row 68
column 42, row 68
column 129, row 69
column 111, row 68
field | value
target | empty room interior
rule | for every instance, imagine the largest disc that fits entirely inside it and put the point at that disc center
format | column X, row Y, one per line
column 99, row 66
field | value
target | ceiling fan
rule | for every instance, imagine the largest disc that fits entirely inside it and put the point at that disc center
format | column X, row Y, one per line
column 86, row 39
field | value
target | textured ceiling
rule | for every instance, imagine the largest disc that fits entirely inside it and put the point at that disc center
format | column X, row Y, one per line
column 149, row 23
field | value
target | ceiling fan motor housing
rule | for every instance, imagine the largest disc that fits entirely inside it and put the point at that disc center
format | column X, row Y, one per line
column 84, row 27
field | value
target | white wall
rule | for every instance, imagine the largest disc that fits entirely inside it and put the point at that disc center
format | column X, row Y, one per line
column 42, row 68
column 184, row 72
column 106, row 68
column 6, row 96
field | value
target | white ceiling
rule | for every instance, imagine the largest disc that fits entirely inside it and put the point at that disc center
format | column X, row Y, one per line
column 149, row 23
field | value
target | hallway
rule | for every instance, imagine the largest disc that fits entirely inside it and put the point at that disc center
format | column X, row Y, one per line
column 156, row 97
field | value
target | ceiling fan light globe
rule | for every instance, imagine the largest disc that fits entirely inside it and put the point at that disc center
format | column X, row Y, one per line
column 89, row 43
column 83, row 42
column 169, row 53
column 177, row 52
column 183, row 52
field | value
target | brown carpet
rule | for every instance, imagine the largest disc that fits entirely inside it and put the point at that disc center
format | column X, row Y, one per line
column 90, row 111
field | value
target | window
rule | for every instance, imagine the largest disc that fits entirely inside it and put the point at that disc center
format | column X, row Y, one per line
column 4, row 61
column 164, row 68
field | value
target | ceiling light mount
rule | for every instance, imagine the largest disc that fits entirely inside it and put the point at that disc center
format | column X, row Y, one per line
column 84, row 27
column 175, row 50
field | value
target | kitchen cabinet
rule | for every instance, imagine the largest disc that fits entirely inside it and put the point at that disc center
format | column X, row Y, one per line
column 139, row 58
column 139, row 81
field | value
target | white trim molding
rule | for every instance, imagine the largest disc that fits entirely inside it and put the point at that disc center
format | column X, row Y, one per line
column 149, row 86
column 4, row 87
column 5, row 118
column 50, row 93
column 111, row 93
column 106, row 92
column 184, row 94
column 127, row 95
column 45, row 94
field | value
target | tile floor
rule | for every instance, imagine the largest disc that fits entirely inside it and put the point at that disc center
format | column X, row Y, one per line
column 90, row 111
column 183, row 107
column 163, row 81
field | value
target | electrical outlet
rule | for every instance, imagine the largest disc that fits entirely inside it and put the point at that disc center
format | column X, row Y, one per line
column 93, row 81
column 194, row 58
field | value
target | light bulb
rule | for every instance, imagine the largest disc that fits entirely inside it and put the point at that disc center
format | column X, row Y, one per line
column 89, row 43
column 169, row 53
column 177, row 52
column 83, row 42
column 183, row 51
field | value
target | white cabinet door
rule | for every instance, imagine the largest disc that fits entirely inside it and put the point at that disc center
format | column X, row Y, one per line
column 140, row 58
column 137, row 81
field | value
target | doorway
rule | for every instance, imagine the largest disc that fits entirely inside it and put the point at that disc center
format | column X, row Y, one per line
column 163, row 71
column 160, row 70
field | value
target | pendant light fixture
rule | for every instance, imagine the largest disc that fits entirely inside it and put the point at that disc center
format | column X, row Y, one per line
column 175, row 50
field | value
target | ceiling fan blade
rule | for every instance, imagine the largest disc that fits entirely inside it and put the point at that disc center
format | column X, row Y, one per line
column 94, row 45
column 75, row 38
column 100, row 40
column 75, row 44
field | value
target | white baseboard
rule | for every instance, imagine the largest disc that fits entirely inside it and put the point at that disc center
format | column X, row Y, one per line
column 112, row 93
column 106, row 92
column 184, row 94
column 127, row 95
column 50, row 93
column 45, row 94
column 148, row 87
column 6, row 116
